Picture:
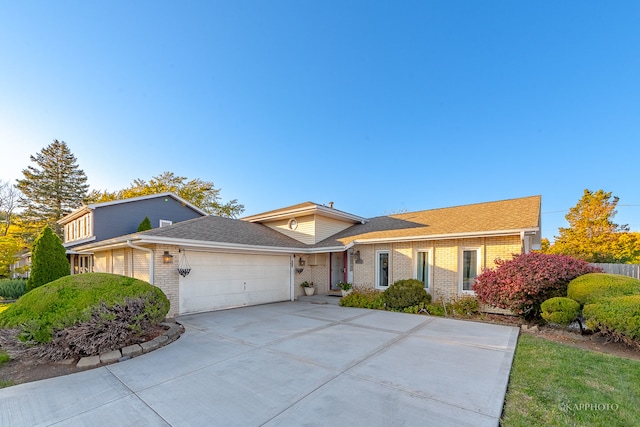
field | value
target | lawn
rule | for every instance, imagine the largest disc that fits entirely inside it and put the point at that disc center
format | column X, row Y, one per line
column 553, row 384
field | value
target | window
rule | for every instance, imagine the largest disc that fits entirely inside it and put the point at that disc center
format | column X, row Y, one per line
column 468, row 268
column 78, row 229
column 382, row 269
column 423, row 269
column 165, row 222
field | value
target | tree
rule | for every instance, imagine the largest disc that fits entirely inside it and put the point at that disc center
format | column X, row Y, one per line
column 48, row 260
column 8, row 202
column 145, row 224
column 9, row 248
column 202, row 194
column 54, row 188
column 592, row 235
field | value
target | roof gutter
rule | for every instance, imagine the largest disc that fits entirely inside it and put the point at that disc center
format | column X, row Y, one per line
column 527, row 231
column 151, row 256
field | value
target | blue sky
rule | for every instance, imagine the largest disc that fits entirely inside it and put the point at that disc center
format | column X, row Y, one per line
column 377, row 106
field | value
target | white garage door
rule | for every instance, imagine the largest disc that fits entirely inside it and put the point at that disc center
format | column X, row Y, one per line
column 218, row 281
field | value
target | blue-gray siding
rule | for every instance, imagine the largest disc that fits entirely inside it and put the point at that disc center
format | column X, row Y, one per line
column 124, row 218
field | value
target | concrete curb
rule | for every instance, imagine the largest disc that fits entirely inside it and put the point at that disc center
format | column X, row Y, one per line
column 170, row 335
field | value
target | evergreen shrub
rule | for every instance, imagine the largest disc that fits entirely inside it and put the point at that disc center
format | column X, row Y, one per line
column 12, row 288
column 405, row 293
column 595, row 287
column 618, row 317
column 363, row 298
column 71, row 300
column 560, row 310
column 48, row 260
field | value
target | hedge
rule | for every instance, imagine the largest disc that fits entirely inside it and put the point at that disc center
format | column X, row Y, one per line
column 618, row 317
column 596, row 287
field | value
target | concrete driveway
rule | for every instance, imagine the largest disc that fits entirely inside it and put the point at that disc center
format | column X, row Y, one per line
column 291, row 363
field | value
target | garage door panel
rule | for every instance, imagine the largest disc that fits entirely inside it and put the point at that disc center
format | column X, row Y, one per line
column 219, row 281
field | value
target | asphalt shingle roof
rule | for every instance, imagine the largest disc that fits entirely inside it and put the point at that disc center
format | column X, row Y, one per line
column 225, row 230
column 513, row 214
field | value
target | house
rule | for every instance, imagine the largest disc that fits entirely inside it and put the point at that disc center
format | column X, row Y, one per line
column 100, row 221
column 212, row 263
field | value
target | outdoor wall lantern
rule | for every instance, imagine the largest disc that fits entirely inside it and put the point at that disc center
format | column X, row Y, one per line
column 356, row 256
column 301, row 262
column 167, row 258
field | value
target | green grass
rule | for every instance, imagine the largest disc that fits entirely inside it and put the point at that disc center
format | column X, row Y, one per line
column 4, row 358
column 556, row 385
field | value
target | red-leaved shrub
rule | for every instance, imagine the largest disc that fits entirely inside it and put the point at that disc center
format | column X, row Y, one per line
column 524, row 282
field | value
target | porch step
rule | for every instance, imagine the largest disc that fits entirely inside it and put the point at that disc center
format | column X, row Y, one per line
column 320, row 299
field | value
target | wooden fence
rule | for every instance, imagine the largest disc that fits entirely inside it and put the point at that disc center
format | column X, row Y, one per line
column 631, row 270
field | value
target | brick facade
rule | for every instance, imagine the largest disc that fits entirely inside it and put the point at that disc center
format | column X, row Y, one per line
column 445, row 256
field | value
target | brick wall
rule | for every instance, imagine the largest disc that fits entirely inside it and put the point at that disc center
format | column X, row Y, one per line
column 444, row 257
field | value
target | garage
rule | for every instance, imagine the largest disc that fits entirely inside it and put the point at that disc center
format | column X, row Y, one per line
column 224, row 280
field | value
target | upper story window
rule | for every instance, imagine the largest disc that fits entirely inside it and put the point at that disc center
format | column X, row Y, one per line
column 165, row 222
column 79, row 228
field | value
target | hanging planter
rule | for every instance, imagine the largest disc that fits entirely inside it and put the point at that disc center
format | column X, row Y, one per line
column 183, row 267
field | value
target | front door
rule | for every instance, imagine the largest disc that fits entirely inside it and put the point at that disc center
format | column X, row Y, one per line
column 338, row 270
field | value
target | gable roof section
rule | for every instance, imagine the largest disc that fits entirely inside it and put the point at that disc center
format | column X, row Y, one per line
column 306, row 208
column 493, row 218
column 92, row 206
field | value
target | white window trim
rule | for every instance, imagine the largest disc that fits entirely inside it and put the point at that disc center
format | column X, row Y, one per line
column 165, row 222
column 460, row 271
column 377, row 266
column 429, row 252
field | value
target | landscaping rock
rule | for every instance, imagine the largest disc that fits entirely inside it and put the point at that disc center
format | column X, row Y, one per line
column 161, row 340
column 524, row 327
column 132, row 350
column 88, row 362
column 110, row 356
column 149, row 346
column 173, row 332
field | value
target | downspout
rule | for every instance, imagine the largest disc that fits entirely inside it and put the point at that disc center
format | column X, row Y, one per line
column 151, row 256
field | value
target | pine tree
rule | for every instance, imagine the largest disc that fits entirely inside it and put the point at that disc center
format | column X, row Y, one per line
column 145, row 224
column 48, row 260
column 54, row 188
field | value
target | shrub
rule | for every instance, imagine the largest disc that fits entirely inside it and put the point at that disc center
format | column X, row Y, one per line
column 107, row 329
column 405, row 293
column 560, row 310
column 363, row 298
column 435, row 309
column 595, row 287
column 48, row 260
column 618, row 317
column 12, row 288
column 465, row 306
column 524, row 282
column 72, row 300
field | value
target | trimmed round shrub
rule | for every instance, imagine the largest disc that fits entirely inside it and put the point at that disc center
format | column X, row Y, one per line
column 618, row 317
column 524, row 282
column 405, row 293
column 560, row 310
column 595, row 287
column 71, row 300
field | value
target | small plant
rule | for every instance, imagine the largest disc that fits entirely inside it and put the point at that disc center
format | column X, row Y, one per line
column 345, row 286
column 617, row 317
column 465, row 306
column 405, row 293
column 306, row 284
column 560, row 310
column 363, row 298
